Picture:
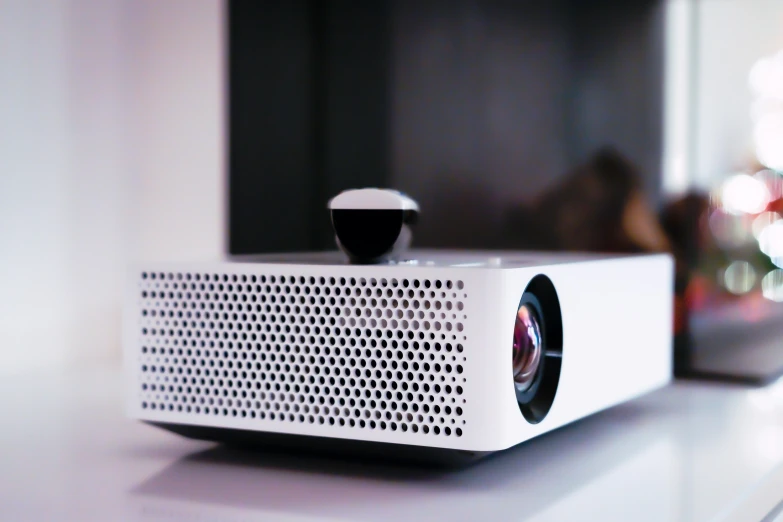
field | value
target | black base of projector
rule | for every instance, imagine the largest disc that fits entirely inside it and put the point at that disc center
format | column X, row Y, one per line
column 326, row 446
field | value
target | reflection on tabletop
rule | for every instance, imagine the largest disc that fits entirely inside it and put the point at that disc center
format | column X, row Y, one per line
column 651, row 459
column 688, row 452
column 222, row 483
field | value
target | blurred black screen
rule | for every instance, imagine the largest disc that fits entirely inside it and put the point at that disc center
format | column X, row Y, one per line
column 471, row 107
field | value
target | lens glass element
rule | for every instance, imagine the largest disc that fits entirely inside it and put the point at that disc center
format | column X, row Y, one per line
column 527, row 348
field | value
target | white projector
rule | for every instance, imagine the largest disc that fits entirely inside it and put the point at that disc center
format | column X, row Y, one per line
column 438, row 354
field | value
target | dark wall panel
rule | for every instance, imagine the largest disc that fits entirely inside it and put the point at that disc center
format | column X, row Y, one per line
column 616, row 78
column 270, row 126
column 355, row 100
column 494, row 101
column 479, row 113
column 472, row 106
column 309, row 107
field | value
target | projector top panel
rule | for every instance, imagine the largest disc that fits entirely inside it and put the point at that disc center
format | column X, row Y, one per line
column 435, row 258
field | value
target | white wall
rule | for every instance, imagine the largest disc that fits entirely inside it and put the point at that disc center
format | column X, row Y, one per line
column 177, row 114
column 677, row 118
column 111, row 149
column 732, row 35
column 711, row 46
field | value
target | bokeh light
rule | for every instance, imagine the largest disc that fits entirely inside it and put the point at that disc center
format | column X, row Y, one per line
column 766, row 82
column 761, row 106
column 739, row 277
column 771, row 240
column 762, row 221
column 773, row 181
column 766, row 76
column 772, row 285
column 744, row 194
column 768, row 135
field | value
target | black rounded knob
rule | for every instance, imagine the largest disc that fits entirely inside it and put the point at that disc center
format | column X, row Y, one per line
column 372, row 225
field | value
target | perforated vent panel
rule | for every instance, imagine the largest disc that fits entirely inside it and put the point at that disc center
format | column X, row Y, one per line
column 288, row 348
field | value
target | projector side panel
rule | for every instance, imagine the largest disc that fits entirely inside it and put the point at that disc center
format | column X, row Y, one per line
column 373, row 353
column 617, row 331
column 622, row 337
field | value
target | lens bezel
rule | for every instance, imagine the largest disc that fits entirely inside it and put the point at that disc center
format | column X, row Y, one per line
column 541, row 297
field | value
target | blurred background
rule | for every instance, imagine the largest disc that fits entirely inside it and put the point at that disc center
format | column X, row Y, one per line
column 193, row 129
column 111, row 150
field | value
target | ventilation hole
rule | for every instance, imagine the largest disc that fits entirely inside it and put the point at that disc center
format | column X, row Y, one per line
column 323, row 350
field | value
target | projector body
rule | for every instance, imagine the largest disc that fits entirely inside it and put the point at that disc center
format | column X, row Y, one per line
column 412, row 355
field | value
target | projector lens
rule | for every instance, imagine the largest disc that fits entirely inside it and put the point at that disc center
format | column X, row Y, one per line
column 527, row 348
column 538, row 349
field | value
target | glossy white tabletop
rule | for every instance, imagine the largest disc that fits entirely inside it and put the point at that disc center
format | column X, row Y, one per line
column 689, row 452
